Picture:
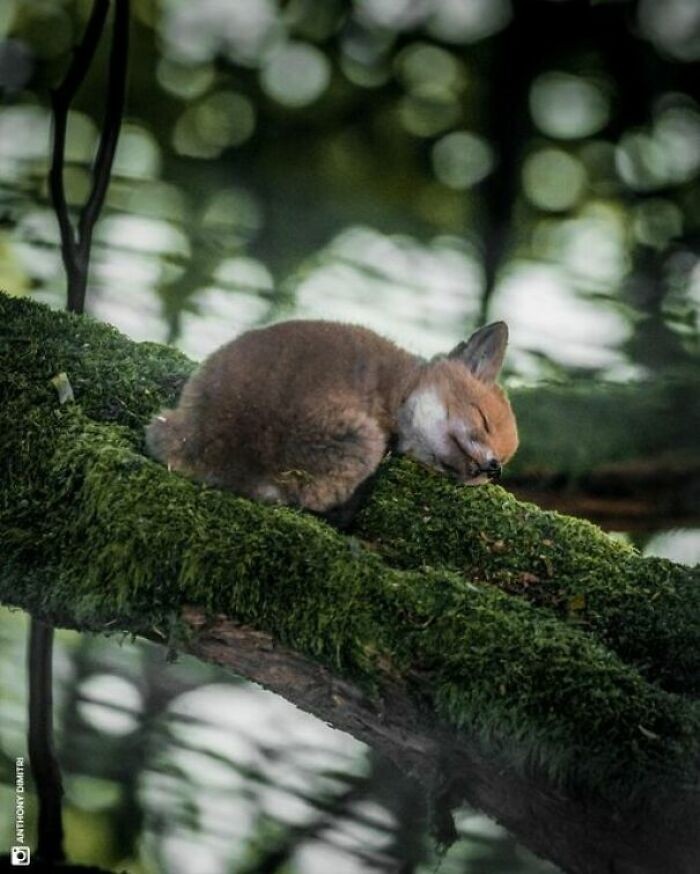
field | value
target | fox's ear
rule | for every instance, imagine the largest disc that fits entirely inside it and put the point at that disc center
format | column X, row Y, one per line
column 484, row 351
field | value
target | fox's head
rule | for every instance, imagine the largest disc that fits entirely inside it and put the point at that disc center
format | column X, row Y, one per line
column 456, row 418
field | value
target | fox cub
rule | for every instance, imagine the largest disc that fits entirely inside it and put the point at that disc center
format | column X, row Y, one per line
column 302, row 413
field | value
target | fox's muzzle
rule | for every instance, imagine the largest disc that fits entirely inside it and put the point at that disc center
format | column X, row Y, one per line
column 492, row 470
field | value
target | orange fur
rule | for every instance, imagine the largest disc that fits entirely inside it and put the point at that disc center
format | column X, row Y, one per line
column 302, row 412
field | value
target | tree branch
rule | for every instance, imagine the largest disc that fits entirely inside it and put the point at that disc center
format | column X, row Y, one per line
column 61, row 99
column 75, row 246
column 625, row 455
column 642, row 495
column 545, row 674
column 581, row 835
column 47, row 777
column 116, row 92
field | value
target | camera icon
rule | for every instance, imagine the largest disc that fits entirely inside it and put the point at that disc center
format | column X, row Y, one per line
column 19, row 856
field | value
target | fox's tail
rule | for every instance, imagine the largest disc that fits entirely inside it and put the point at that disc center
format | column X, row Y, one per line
column 166, row 438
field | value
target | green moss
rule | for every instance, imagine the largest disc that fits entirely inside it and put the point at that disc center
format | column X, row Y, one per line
column 113, row 380
column 646, row 609
column 97, row 536
column 124, row 540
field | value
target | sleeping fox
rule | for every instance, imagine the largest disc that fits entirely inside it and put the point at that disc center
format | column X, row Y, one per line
column 302, row 413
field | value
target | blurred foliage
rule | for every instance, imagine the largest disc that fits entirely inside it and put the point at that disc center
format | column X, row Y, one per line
column 180, row 767
column 417, row 166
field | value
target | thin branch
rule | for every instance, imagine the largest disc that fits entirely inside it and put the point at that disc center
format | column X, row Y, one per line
column 83, row 53
column 116, row 92
column 47, row 776
column 61, row 99
column 75, row 245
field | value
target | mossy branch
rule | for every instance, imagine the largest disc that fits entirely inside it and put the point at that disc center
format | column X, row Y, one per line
column 623, row 455
column 512, row 657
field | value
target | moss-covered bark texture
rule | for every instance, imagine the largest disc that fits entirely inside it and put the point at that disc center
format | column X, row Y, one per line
column 553, row 646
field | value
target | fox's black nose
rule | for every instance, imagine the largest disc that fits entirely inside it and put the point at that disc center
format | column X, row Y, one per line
column 492, row 469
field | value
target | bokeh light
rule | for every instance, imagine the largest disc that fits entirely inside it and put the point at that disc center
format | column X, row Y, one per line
column 673, row 26
column 98, row 694
column 138, row 154
column 461, row 159
column 553, row 179
column 467, row 21
column 196, row 32
column 567, row 107
column 295, row 74
column 184, row 80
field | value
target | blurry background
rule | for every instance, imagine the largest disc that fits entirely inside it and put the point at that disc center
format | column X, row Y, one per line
column 414, row 165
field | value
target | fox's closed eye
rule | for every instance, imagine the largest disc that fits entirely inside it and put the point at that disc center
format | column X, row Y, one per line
column 484, row 420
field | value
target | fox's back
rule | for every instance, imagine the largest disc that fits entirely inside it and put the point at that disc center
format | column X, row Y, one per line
column 284, row 368
column 267, row 401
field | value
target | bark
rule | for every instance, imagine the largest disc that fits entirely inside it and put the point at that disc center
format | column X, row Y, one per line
column 515, row 659
column 580, row 834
